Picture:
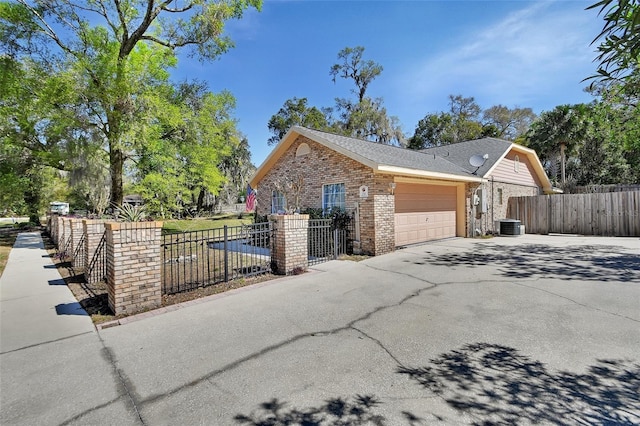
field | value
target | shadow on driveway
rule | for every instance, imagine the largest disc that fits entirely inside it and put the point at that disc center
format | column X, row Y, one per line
column 494, row 384
column 584, row 263
column 336, row 411
column 501, row 386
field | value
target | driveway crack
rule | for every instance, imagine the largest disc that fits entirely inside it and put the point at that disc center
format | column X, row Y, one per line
column 380, row 344
column 578, row 303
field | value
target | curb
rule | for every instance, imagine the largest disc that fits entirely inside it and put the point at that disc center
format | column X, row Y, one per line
column 178, row 306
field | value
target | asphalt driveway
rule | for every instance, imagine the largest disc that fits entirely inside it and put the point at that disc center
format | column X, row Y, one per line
column 532, row 329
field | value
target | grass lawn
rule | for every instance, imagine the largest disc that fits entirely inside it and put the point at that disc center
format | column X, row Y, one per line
column 8, row 236
column 186, row 225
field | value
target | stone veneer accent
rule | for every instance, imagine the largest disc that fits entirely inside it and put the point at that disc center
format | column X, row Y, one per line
column 133, row 266
column 93, row 234
column 495, row 211
column 289, row 243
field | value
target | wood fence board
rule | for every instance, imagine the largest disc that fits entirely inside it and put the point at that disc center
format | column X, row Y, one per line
column 601, row 213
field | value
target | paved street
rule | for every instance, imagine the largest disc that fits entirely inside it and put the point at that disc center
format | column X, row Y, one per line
column 521, row 330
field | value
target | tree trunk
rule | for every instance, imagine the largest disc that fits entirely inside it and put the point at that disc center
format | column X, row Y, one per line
column 200, row 200
column 116, row 163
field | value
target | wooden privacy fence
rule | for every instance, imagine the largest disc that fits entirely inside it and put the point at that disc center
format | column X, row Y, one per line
column 609, row 214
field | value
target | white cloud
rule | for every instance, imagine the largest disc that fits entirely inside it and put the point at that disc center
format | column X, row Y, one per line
column 535, row 55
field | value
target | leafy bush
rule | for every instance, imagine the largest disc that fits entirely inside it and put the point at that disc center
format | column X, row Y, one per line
column 130, row 213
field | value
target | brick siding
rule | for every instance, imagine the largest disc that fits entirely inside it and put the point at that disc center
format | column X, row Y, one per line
column 76, row 250
column 329, row 167
column 133, row 266
column 289, row 244
column 93, row 233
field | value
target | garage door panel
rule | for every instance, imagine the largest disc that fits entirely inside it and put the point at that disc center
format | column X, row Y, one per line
column 424, row 212
column 424, row 198
column 414, row 228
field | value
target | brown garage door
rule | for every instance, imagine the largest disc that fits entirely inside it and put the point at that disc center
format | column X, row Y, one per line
column 424, row 212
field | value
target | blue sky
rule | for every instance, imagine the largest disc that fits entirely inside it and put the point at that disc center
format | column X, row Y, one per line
column 514, row 53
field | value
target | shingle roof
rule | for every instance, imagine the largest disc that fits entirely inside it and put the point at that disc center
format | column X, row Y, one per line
column 460, row 153
column 450, row 162
column 388, row 155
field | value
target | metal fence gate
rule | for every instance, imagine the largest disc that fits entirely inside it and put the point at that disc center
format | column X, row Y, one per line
column 201, row 258
column 327, row 242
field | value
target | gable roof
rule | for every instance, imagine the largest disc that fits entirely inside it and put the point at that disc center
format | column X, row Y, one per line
column 449, row 162
column 496, row 149
column 460, row 153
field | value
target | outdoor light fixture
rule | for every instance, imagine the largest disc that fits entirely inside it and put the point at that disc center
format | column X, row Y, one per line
column 392, row 187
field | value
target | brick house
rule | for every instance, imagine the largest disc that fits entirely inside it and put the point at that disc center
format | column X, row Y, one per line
column 399, row 196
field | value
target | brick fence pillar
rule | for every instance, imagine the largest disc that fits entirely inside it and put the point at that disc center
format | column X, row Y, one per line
column 289, row 244
column 93, row 231
column 383, row 212
column 76, row 246
column 133, row 266
column 53, row 232
column 64, row 229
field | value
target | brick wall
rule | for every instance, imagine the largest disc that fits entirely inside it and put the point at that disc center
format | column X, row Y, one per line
column 133, row 266
column 384, row 237
column 93, row 234
column 328, row 167
column 60, row 234
column 65, row 243
column 76, row 246
column 289, row 243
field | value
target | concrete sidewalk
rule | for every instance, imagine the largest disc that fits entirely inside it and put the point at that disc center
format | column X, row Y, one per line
column 52, row 361
column 34, row 295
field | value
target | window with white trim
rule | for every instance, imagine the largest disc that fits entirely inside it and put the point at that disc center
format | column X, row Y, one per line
column 333, row 196
column 278, row 202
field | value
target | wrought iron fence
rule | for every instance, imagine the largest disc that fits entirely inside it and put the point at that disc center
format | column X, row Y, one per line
column 201, row 258
column 97, row 269
column 78, row 253
column 328, row 240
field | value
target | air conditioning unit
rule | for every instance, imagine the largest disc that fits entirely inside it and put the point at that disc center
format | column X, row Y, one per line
column 510, row 227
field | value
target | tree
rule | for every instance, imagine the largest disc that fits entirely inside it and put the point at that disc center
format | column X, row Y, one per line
column 556, row 135
column 462, row 123
column 619, row 49
column 237, row 169
column 32, row 132
column 432, row 130
column 353, row 67
column 367, row 118
column 117, row 54
column 599, row 141
column 194, row 131
column 508, row 123
column 295, row 112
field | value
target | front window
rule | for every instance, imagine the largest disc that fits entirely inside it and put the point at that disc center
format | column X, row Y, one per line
column 333, row 196
column 278, row 202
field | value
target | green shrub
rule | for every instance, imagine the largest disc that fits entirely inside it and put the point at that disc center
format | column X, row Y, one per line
column 130, row 213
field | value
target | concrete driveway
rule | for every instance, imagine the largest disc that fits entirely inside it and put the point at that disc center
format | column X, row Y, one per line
column 531, row 329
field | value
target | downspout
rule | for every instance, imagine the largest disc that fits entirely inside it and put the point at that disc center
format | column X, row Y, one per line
column 493, row 206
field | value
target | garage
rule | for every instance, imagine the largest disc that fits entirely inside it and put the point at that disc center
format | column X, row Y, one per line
column 424, row 212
